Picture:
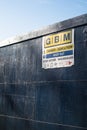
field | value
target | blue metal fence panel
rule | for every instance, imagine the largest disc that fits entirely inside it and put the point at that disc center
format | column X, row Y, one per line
column 33, row 98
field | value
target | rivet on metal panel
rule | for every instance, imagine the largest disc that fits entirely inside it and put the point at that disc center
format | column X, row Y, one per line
column 85, row 34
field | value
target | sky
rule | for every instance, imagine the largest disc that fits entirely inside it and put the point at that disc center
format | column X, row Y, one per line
column 18, row 17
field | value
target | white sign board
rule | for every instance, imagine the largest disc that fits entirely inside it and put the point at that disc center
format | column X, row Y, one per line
column 58, row 50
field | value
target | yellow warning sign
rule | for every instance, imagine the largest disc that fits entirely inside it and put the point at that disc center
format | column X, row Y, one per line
column 59, row 48
column 58, row 38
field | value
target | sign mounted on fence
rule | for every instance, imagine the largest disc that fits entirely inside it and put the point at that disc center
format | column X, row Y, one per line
column 58, row 50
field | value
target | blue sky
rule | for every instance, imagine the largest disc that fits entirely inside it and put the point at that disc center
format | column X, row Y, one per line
column 22, row 16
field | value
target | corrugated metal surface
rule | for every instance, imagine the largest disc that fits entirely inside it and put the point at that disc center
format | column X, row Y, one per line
column 33, row 98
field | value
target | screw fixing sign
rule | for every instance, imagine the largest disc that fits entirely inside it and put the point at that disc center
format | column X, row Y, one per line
column 58, row 50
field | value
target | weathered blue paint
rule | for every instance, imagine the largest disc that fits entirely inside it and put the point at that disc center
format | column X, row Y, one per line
column 32, row 98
